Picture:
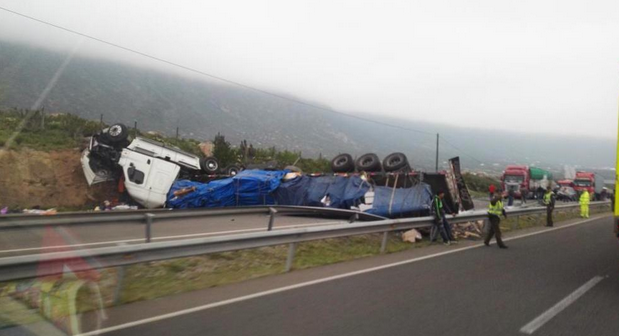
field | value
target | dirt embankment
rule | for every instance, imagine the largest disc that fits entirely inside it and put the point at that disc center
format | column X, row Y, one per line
column 48, row 179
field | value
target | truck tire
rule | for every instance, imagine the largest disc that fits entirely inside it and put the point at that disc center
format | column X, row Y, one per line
column 232, row 170
column 209, row 165
column 117, row 133
column 368, row 163
column 395, row 162
column 342, row 163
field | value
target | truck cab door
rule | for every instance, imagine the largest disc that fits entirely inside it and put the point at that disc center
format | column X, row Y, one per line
column 162, row 175
column 147, row 179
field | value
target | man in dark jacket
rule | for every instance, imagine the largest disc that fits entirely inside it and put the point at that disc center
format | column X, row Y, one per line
column 495, row 209
column 549, row 203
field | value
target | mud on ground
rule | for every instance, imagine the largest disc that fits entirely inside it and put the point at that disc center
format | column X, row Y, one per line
column 48, row 179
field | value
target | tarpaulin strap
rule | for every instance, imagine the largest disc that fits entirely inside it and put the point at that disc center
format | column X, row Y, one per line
column 393, row 193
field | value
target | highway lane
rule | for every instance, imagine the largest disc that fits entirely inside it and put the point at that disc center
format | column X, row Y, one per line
column 44, row 240
column 477, row 291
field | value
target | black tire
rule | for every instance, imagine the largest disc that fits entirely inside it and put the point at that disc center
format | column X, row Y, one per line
column 342, row 163
column 395, row 162
column 117, row 133
column 232, row 170
column 368, row 163
column 209, row 165
column 294, row 169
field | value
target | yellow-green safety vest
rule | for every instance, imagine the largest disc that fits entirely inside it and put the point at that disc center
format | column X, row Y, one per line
column 496, row 209
column 547, row 198
column 584, row 198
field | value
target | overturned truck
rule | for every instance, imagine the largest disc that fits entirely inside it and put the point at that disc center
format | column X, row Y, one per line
column 158, row 175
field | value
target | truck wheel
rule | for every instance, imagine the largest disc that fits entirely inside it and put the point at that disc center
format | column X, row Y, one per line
column 209, row 165
column 232, row 170
column 117, row 133
column 342, row 163
column 394, row 162
column 368, row 163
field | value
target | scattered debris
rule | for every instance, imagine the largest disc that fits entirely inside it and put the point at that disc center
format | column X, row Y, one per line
column 411, row 236
column 468, row 229
column 40, row 212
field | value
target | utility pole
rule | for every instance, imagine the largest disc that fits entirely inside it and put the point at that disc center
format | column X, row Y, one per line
column 135, row 128
column 101, row 121
column 177, row 132
column 43, row 118
column 436, row 152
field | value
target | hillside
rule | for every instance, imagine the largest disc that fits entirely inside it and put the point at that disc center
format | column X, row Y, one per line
column 160, row 101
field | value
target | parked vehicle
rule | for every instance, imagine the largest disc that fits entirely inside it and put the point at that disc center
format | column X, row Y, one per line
column 567, row 194
column 517, row 177
column 592, row 182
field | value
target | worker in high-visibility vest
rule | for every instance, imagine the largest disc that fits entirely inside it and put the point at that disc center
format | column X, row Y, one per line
column 584, row 204
column 495, row 209
column 549, row 202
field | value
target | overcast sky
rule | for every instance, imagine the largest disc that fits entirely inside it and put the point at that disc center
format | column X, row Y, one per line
column 536, row 66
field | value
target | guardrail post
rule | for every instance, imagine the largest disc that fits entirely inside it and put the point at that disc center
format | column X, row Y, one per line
column 272, row 211
column 149, row 222
column 383, row 245
column 291, row 249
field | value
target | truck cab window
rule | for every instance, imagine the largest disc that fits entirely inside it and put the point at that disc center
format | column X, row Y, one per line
column 134, row 175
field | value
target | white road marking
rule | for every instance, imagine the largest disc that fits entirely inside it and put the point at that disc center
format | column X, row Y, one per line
column 166, row 237
column 538, row 322
column 309, row 283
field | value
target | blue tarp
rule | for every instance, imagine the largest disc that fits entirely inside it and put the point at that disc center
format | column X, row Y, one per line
column 403, row 200
column 344, row 192
column 259, row 187
column 249, row 187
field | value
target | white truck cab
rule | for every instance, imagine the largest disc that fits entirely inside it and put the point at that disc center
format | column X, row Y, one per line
column 149, row 167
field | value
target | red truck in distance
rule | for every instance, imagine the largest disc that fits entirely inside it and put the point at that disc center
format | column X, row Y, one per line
column 518, row 177
column 589, row 181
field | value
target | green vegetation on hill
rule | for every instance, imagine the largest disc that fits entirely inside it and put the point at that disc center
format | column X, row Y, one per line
column 41, row 131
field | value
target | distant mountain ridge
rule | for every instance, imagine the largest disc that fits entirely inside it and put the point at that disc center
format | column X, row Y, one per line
column 161, row 101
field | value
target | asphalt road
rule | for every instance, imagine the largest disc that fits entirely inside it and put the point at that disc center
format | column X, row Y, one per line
column 476, row 291
column 44, row 240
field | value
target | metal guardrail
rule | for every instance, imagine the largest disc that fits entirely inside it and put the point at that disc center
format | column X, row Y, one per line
column 20, row 267
column 140, row 216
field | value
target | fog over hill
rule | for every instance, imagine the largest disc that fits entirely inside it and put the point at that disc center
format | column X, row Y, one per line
column 161, row 101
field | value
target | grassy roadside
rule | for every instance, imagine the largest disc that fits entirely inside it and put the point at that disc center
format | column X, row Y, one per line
column 182, row 275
